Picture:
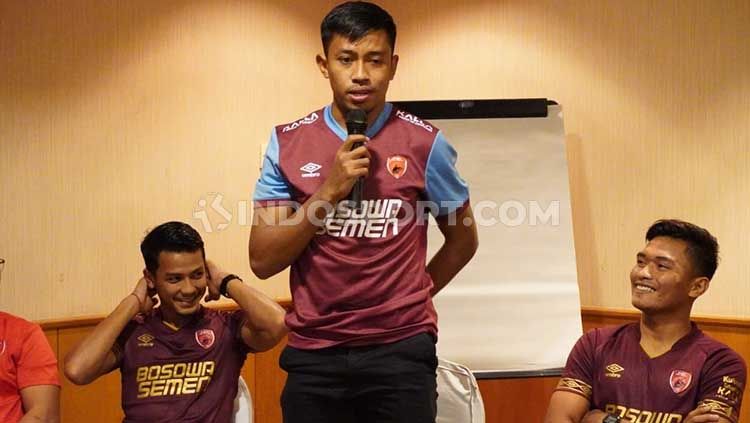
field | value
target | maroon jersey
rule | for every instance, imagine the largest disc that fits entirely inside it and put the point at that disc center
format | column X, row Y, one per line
column 609, row 368
column 188, row 375
column 362, row 280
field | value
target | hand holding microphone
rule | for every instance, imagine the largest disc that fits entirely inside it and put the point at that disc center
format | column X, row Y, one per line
column 352, row 162
column 356, row 124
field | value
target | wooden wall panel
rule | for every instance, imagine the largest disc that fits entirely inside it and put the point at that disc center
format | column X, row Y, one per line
column 516, row 400
column 248, row 374
column 96, row 402
column 270, row 382
column 51, row 335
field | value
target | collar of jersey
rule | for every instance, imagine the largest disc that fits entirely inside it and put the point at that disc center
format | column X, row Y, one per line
column 683, row 342
column 370, row 132
column 170, row 328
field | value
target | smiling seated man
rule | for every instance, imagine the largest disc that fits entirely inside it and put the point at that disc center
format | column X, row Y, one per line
column 180, row 361
column 662, row 369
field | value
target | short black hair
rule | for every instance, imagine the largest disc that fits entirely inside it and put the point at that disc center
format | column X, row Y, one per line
column 702, row 247
column 174, row 237
column 353, row 20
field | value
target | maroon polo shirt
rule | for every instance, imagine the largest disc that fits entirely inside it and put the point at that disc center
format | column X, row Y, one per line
column 185, row 375
column 362, row 279
column 608, row 367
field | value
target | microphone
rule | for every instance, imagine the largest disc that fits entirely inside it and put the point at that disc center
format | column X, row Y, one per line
column 356, row 124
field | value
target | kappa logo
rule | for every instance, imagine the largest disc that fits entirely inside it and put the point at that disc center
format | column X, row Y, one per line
column 680, row 380
column 413, row 120
column 205, row 338
column 310, row 170
column 304, row 121
column 614, row 370
column 396, row 166
column 146, row 340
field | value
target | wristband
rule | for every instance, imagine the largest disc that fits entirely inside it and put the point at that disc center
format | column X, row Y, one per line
column 140, row 304
column 225, row 282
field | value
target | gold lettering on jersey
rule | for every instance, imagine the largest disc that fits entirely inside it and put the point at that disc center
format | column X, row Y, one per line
column 373, row 219
column 732, row 381
column 730, row 389
column 145, row 340
column 729, row 392
column 174, row 378
column 574, row 385
column 634, row 415
column 614, row 370
column 720, row 408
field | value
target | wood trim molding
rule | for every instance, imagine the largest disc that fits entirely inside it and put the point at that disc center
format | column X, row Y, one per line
column 587, row 312
column 82, row 321
column 625, row 314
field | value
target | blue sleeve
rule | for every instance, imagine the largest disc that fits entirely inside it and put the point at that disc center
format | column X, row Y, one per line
column 271, row 185
column 445, row 188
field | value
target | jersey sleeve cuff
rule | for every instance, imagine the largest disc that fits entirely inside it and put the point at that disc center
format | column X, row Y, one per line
column 721, row 409
column 443, row 217
column 274, row 203
column 50, row 380
column 576, row 386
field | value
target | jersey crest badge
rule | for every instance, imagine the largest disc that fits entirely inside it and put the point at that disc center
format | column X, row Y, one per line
column 205, row 338
column 396, row 166
column 680, row 380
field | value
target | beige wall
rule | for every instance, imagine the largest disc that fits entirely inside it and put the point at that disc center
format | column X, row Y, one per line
column 118, row 115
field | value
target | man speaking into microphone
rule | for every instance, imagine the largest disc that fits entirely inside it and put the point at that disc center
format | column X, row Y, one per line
column 363, row 327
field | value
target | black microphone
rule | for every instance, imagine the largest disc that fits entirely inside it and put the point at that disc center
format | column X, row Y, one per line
column 356, row 124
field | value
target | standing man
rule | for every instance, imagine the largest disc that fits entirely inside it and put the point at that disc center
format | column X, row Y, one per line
column 180, row 362
column 662, row 369
column 363, row 327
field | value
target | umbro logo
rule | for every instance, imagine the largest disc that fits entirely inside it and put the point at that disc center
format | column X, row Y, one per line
column 310, row 170
column 145, row 340
column 614, row 370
